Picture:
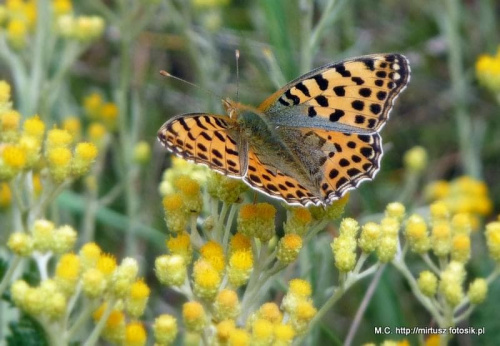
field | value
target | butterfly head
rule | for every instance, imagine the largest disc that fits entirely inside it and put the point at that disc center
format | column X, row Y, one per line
column 231, row 107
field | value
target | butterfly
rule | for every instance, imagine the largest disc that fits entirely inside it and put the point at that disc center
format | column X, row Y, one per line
column 308, row 143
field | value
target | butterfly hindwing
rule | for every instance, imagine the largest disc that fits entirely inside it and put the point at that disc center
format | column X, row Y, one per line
column 273, row 182
column 354, row 95
column 206, row 139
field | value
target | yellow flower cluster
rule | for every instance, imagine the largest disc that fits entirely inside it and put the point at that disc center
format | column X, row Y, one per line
column 81, row 28
column 21, row 146
column 488, row 71
column 181, row 167
column 96, row 274
column 103, row 116
column 18, row 18
column 462, row 195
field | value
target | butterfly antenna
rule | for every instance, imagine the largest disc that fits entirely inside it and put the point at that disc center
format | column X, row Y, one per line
column 237, row 55
column 211, row 93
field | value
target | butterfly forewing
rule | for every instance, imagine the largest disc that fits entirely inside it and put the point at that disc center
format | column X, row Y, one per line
column 206, row 139
column 354, row 95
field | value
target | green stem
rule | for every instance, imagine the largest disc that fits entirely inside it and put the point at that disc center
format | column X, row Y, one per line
column 96, row 332
column 10, row 272
column 38, row 67
column 470, row 157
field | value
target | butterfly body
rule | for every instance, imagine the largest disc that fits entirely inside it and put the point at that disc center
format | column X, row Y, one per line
column 310, row 142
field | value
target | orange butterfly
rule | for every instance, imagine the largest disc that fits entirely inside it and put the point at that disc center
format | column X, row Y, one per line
column 308, row 143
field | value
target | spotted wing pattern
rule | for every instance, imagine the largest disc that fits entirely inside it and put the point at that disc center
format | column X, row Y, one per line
column 349, row 159
column 357, row 93
column 206, row 139
column 273, row 182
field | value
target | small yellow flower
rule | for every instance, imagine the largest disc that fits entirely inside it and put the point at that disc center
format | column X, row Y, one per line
column 61, row 7
column 165, row 329
column 97, row 133
column 240, row 267
column 271, row 312
column 123, row 276
column 415, row 159
column 451, row 282
column 135, row 334
column 5, row 195
column 283, row 334
column 67, row 273
column 441, row 238
column 239, row 337
column 227, row 306
column 488, row 71
column 493, row 239
column 437, row 190
column 34, row 127
column 89, row 255
column 331, row 212
column 59, row 163
column 387, row 248
column 106, row 264
column 73, row 125
column 17, row 31
column 194, row 316
column 344, row 251
column 289, row 248
column 214, row 254
column 416, row 234
column 181, row 245
column 93, row 283
column 176, row 214
column 190, row 192
column 10, row 120
column 240, row 242
column 92, row 105
column 257, row 220
column 262, row 332
column 142, row 153
column 395, row 210
column 138, row 298
column 58, row 138
column 206, row 279
column 298, row 221
column 301, row 317
column 109, row 115
column 14, row 157
column 225, row 189
column 85, row 154
column 4, row 91
column 224, row 329
column 460, row 248
column 300, row 288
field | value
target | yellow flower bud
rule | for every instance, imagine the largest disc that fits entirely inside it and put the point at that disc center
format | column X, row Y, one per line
column 370, row 237
column 289, row 248
column 460, row 248
column 451, row 282
column 262, row 332
column 240, row 242
column 181, row 245
column 331, row 212
column 93, row 283
column 142, row 153
column 415, row 159
column 493, row 240
column 427, row 283
column 302, row 315
column 17, row 31
column 283, row 335
column 123, row 276
column 387, row 249
column 478, row 290
column 257, row 220
column 206, row 280
column 43, row 235
column 89, row 255
column 271, row 311
column 106, row 263
column 64, row 238
column 227, row 305
column 194, row 316
column 416, row 234
column 441, row 238
column 171, row 270
column 343, row 248
column 21, row 244
column 240, row 267
column 137, row 298
column 298, row 221
column 59, row 159
column 190, row 193
column 224, row 188
column 176, row 215
column 395, row 210
column 85, row 154
column 165, row 329
column 224, row 330
column 34, row 127
column 239, row 337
